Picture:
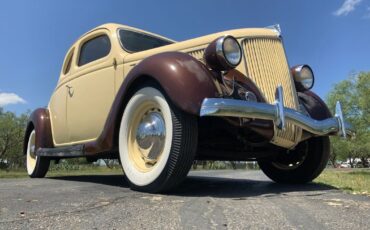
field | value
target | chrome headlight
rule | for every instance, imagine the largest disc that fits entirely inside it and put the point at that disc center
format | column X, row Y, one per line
column 224, row 53
column 303, row 77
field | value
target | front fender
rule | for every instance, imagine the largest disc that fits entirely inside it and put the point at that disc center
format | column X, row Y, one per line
column 314, row 105
column 39, row 120
column 185, row 80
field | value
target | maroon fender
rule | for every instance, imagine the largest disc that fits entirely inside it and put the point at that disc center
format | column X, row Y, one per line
column 246, row 82
column 40, row 121
column 262, row 127
column 314, row 105
column 184, row 79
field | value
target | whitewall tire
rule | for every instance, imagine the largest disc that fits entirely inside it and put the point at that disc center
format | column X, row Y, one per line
column 157, row 142
column 36, row 166
column 31, row 156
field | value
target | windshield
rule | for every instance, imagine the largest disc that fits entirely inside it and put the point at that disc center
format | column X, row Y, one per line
column 135, row 42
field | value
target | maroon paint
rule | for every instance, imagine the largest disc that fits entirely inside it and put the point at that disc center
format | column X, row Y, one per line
column 213, row 60
column 263, row 127
column 40, row 121
column 184, row 79
column 314, row 105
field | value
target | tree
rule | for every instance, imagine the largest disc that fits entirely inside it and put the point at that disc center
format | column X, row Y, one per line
column 354, row 94
column 11, row 138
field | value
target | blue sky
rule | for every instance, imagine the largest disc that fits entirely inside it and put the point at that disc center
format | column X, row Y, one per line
column 331, row 36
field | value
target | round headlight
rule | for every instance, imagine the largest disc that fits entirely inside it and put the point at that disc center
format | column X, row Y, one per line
column 303, row 77
column 224, row 53
column 232, row 51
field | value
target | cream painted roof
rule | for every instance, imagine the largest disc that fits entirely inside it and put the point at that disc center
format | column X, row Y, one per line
column 115, row 26
column 235, row 32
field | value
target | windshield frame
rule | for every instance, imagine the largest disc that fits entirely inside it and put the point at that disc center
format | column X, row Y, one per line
column 140, row 32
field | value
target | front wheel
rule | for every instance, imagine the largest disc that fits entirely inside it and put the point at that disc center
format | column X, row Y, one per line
column 157, row 141
column 301, row 165
column 37, row 166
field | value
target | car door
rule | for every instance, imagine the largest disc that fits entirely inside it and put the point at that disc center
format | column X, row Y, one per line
column 58, row 103
column 91, row 89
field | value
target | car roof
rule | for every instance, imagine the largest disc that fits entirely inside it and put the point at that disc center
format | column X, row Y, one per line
column 114, row 26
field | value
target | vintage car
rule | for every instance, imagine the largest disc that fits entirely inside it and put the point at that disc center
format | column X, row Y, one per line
column 157, row 105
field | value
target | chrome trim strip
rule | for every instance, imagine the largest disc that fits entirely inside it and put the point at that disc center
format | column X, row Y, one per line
column 247, row 109
column 279, row 104
column 339, row 116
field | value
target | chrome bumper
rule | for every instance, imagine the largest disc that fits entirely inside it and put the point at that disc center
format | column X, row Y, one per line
column 278, row 114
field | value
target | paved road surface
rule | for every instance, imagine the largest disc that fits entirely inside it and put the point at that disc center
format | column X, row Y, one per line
column 206, row 200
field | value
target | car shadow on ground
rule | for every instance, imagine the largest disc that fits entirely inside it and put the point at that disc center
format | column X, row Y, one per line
column 111, row 180
column 200, row 186
column 238, row 188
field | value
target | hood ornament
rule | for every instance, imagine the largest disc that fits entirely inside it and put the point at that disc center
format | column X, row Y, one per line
column 276, row 28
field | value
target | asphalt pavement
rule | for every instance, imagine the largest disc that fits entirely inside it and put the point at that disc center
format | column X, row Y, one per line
column 206, row 200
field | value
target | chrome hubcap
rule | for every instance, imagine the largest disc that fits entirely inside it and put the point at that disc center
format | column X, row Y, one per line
column 150, row 136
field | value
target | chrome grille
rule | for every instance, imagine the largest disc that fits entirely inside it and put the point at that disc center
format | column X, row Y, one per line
column 267, row 66
column 265, row 63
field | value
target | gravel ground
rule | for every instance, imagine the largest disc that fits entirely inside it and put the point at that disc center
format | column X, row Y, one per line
column 206, row 200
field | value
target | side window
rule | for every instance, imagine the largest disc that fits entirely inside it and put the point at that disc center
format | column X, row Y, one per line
column 94, row 49
column 68, row 63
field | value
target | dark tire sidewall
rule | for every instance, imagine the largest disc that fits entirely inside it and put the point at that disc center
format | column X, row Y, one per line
column 314, row 163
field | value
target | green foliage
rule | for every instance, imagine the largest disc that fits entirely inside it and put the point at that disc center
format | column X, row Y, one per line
column 354, row 181
column 354, row 94
column 11, row 138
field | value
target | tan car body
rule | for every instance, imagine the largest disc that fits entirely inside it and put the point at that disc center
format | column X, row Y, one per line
column 73, row 106
column 226, row 96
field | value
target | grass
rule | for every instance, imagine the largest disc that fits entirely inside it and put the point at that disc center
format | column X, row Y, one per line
column 62, row 172
column 355, row 181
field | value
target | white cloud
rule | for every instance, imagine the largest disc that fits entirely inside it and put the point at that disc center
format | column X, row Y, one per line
column 347, row 7
column 10, row 98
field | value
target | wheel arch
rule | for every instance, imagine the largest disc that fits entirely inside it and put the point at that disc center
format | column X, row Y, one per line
column 314, row 105
column 138, row 82
column 39, row 120
column 30, row 126
column 184, row 80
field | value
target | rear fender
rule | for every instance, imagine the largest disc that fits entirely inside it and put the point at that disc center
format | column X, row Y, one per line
column 40, row 122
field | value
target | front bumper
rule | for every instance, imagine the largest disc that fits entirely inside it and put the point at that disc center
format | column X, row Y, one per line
column 278, row 114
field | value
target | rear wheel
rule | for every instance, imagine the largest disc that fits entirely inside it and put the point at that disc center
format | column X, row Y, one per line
column 301, row 165
column 37, row 167
column 157, row 141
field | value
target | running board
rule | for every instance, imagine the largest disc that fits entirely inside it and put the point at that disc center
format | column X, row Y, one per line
column 62, row 152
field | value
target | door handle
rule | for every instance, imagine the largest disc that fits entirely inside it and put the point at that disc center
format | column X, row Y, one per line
column 70, row 90
column 114, row 63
